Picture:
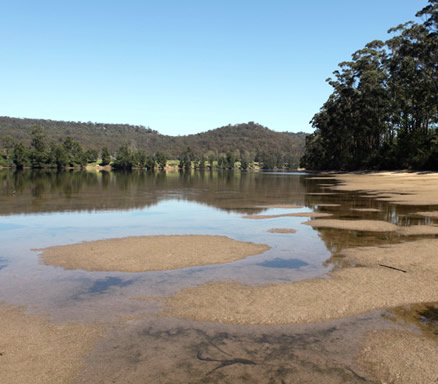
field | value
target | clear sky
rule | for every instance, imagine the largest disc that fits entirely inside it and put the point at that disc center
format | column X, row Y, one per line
column 182, row 66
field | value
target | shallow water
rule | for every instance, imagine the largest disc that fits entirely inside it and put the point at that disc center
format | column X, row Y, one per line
column 46, row 208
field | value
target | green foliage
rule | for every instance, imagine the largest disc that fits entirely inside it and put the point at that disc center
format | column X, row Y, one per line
column 20, row 155
column 105, row 155
column 39, row 156
column 125, row 159
column 161, row 160
column 61, row 157
column 250, row 137
column 383, row 112
column 7, row 145
column 185, row 159
column 91, row 155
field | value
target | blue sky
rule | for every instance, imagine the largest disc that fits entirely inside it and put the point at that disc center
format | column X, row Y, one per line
column 182, row 67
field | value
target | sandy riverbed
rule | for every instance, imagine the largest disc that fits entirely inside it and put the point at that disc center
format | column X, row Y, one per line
column 297, row 214
column 398, row 187
column 374, row 226
column 348, row 292
column 149, row 253
column 282, row 230
column 33, row 350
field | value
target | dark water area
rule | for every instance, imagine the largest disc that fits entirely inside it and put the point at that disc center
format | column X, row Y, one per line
column 284, row 263
column 44, row 208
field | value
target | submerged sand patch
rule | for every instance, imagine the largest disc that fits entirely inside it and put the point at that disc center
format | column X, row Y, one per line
column 428, row 214
column 401, row 188
column 419, row 230
column 400, row 357
column 33, row 350
column 348, row 292
column 374, row 226
column 284, row 206
column 365, row 209
column 354, row 225
column 149, row 253
column 297, row 214
column 282, row 230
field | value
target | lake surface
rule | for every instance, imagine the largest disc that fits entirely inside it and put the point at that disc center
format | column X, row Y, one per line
column 39, row 209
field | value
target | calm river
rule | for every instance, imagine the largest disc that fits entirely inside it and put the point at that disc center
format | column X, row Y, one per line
column 46, row 208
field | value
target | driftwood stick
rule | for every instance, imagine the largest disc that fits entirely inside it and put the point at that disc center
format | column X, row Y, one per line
column 224, row 363
column 396, row 269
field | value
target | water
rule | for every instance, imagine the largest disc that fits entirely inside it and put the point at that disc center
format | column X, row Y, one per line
column 39, row 209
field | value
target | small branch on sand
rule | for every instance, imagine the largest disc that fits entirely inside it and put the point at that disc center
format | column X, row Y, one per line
column 396, row 269
column 224, row 363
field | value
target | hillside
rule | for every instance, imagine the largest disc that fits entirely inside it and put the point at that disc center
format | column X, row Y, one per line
column 249, row 137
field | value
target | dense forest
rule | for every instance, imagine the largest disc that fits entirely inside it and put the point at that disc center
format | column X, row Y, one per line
column 42, row 143
column 383, row 112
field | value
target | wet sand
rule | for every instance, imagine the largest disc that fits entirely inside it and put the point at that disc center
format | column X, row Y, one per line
column 354, row 225
column 365, row 209
column 282, row 230
column 33, row 350
column 399, row 187
column 149, row 253
column 348, row 292
column 374, row 226
column 298, row 214
column 400, row 357
column 428, row 214
column 284, row 206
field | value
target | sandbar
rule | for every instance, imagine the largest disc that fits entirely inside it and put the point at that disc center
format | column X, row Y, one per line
column 399, row 357
column 282, row 230
column 354, row 225
column 348, row 292
column 33, row 350
column 284, row 206
column 365, row 209
column 401, row 188
column 149, row 253
column 374, row 226
column 428, row 214
column 419, row 230
column 297, row 214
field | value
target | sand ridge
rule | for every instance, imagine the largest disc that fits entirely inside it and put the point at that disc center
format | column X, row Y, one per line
column 407, row 188
column 374, row 226
column 149, row 253
column 399, row 357
column 282, row 230
column 297, row 214
column 348, row 292
column 428, row 214
column 354, row 225
column 33, row 350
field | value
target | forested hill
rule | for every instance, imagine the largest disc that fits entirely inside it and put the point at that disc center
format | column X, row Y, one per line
column 383, row 112
column 251, row 137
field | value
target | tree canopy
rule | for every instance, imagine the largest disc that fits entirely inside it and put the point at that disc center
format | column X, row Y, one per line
column 383, row 112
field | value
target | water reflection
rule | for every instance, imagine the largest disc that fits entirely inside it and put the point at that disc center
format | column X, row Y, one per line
column 30, row 191
column 284, row 263
column 423, row 316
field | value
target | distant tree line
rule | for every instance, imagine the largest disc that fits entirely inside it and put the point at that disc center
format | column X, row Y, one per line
column 245, row 141
column 69, row 153
column 40, row 153
column 383, row 112
column 235, row 160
